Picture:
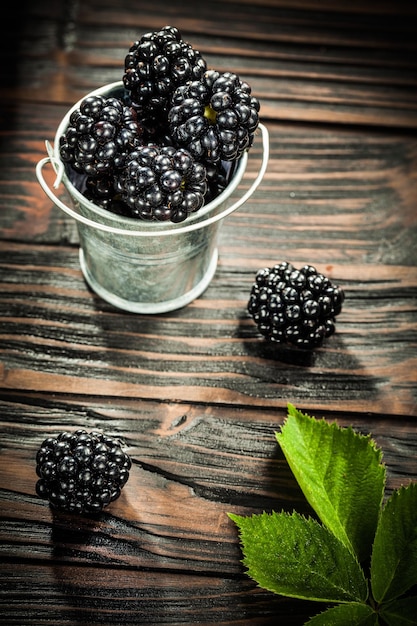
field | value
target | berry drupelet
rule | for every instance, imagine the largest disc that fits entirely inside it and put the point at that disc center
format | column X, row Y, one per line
column 100, row 190
column 101, row 133
column 214, row 118
column 294, row 306
column 218, row 177
column 162, row 183
column 154, row 67
column 81, row 472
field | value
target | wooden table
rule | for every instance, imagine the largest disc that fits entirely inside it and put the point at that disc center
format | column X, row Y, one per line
column 196, row 394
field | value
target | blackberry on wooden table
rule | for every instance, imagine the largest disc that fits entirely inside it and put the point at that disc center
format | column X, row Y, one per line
column 81, row 472
column 295, row 306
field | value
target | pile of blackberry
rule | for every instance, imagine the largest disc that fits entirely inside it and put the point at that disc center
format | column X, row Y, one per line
column 169, row 100
column 81, row 472
column 295, row 306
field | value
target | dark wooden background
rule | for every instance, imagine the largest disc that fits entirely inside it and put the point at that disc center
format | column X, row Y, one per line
column 197, row 394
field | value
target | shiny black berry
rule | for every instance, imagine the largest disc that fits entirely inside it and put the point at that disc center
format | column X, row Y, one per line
column 162, row 183
column 81, row 472
column 154, row 67
column 295, row 306
column 100, row 190
column 214, row 118
column 218, row 177
column 100, row 134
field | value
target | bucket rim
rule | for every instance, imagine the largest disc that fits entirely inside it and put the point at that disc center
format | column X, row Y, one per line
column 130, row 223
column 207, row 215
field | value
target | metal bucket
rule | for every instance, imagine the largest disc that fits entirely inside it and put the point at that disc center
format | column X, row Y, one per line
column 140, row 266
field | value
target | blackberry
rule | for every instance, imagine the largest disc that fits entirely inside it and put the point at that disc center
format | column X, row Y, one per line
column 295, row 306
column 162, row 183
column 101, row 133
column 214, row 118
column 81, row 472
column 100, row 190
column 218, row 177
column 154, row 67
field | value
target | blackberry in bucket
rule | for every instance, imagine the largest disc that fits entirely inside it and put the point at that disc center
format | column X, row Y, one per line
column 148, row 227
column 162, row 183
column 100, row 135
column 214, row 118
column 155, row 66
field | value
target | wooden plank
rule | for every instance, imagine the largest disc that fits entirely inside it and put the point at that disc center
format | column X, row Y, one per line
column 57, row 336
column 35, row 595
column 196, row 394
column 166, row 548
column 191, row 466
column 313, row 63
column 341, row 200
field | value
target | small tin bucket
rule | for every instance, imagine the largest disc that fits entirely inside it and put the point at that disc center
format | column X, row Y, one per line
column 140, row 266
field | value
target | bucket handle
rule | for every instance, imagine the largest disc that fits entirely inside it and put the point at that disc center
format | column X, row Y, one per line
column 59, row 170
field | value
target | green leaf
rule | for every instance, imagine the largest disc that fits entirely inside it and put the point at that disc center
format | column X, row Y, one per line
column 343, row 614
column 401, row 612
column 394, row 554
column 341, row 475
column 298, row 557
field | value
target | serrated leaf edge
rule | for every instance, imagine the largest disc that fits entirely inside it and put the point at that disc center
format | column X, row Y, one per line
column 293, row 412
column 235, row 518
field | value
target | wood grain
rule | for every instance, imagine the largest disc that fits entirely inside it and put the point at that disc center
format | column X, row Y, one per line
column 197, row 395
column 169, row 529
column 341, row 200
column 348, row 65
